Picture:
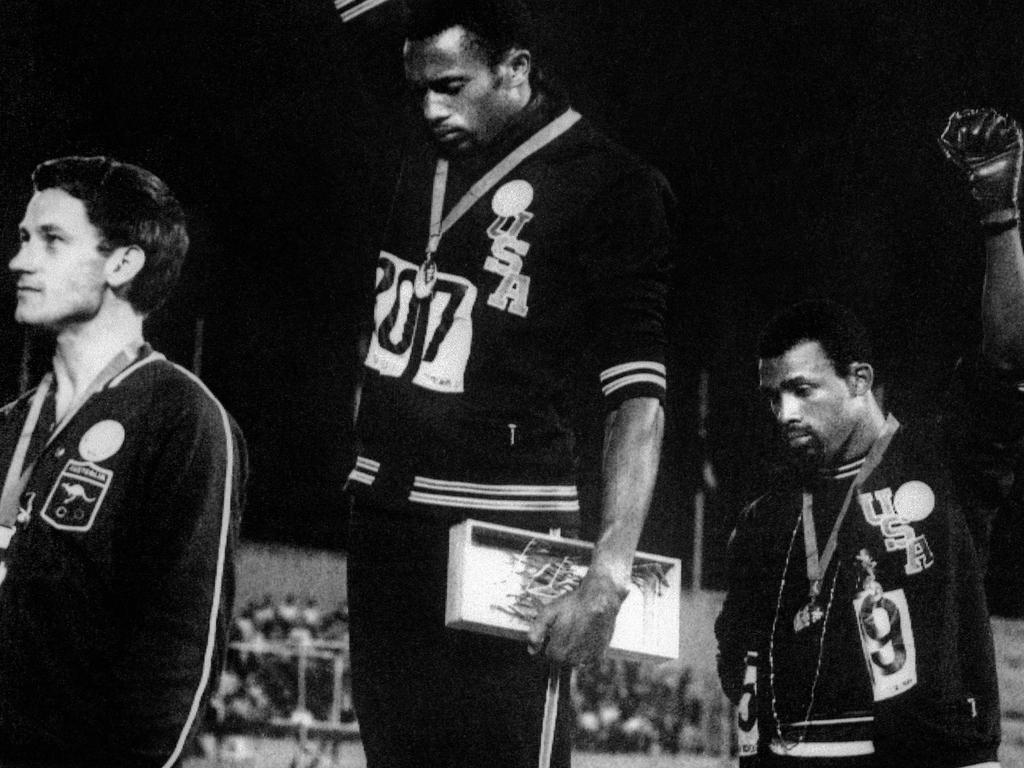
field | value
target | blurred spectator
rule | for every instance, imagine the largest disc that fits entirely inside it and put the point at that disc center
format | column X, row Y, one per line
column 288, row 612
column 264, row 612
column 269, row 631
column 629, row 707
column 311, row 613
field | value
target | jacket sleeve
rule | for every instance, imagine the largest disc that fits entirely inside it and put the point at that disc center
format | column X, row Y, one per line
column 178, row 574
column 983, row 421
column 626, row 255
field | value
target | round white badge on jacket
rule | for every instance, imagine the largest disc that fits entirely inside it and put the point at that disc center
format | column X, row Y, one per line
column 913, row 501
column 101, row 441
column 512, row 198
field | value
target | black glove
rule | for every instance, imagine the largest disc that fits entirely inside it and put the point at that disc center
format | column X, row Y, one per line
column 986, row 146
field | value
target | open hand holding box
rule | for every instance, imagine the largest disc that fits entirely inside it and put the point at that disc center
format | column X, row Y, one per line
column 497, row 577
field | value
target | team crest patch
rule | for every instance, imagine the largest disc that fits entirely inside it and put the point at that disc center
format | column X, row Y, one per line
column 77, row 496
column 893, row 513
column 508, row 249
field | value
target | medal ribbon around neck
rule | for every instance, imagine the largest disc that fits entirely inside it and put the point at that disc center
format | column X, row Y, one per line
column 17, row 478
column 424, row 285
column 816, row 567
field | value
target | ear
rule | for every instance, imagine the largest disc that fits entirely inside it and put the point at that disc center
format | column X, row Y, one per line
column 517, row 67
column 123, row 264
column 860, row 377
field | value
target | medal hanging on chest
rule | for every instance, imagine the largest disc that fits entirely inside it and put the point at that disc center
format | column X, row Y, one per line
column 812, row 611
column 426, row 277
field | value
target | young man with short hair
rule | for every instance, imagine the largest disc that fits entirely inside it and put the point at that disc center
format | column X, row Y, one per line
column 123, row 488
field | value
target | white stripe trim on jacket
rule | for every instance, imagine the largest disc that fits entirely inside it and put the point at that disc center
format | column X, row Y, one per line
column 225, row 528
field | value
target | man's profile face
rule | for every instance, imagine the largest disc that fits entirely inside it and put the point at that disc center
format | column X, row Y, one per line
column 813, row 406
column 465, row 102
column 59, row 266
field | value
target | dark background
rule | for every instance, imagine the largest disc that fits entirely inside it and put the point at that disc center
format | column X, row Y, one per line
column 799, row 137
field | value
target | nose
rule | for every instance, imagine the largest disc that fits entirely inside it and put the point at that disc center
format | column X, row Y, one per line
column 786, row 408
column 435, row 107
column 21, row 261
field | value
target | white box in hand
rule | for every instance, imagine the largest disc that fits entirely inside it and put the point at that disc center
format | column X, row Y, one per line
column 497, row 574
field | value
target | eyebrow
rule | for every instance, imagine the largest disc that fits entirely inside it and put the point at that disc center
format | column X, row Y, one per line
column 436, row 82
column 46, row 229
column 793, row 381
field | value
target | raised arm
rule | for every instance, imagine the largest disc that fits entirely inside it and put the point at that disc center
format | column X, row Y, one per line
column 986, row 146
column 984, row 416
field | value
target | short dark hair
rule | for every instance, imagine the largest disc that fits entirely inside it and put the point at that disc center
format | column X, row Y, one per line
column 129, row 206
column 840, row 333
column 495, row 26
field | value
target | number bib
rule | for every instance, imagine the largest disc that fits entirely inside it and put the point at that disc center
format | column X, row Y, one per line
column 440, row 363
column 887, row 638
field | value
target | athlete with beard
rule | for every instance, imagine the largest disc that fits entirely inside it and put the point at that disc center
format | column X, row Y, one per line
column 855, row 631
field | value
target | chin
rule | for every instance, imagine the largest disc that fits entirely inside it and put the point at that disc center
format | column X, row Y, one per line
column 806, row 457
column 454, row 149
column 27, row 318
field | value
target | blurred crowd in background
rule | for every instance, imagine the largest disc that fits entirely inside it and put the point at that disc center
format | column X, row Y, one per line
column 288, row 665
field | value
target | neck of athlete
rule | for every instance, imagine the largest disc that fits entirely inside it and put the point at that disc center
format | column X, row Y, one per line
column 864, row 434
column 520, row 104
column 84, row 349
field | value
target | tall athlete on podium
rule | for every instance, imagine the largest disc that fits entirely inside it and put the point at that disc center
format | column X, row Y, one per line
column 523, row 246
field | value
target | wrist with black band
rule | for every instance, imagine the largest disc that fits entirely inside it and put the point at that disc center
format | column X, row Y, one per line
column 997, row 222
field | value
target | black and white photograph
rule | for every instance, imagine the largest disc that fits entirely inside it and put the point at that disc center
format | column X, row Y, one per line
column 511, row 383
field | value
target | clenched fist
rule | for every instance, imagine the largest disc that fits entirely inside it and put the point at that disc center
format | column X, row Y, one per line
column 986, row 146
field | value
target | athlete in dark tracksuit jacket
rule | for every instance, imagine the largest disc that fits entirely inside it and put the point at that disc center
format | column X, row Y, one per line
column 855, row 631
column 901, row 668
column 117, row 582
column 467, row 412
column 467, row 405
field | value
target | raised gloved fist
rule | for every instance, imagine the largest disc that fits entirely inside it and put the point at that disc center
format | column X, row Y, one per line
column 986, row 146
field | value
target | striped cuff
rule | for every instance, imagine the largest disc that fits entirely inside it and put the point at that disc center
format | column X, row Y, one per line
column 494, row 498
column 642, row 378
column 365, row 471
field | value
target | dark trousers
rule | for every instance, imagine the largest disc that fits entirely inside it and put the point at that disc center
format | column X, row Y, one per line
column 425, row 695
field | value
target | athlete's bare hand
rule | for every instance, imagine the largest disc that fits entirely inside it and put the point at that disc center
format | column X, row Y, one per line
column 577, row 627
